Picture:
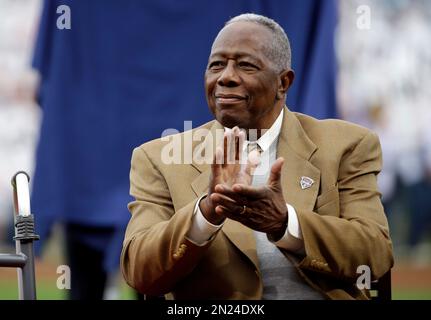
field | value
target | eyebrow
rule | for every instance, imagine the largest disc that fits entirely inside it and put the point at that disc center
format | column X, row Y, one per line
column 236, row 55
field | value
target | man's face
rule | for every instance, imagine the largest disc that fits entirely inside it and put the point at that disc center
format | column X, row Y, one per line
column 241, row 83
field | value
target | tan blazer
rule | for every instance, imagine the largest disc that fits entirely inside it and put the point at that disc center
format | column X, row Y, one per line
column 340, row 215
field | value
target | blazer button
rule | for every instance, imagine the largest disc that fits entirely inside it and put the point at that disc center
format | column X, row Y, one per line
column 176, row 256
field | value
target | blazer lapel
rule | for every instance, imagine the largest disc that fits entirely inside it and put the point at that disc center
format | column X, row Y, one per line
column 296, row 148
column 203, row 154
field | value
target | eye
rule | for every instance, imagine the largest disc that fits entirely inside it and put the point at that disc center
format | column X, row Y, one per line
column 247, row 65
column 216, row 65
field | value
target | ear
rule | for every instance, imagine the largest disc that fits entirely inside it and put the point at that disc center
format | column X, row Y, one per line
column 285, row 81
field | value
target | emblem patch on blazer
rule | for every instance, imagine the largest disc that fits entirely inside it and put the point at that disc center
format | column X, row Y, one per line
column 306, row 182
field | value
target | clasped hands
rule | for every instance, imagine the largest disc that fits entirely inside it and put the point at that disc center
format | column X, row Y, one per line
column 231, row 194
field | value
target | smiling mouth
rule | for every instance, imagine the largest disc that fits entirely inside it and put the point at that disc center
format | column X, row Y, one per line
column 229, row 98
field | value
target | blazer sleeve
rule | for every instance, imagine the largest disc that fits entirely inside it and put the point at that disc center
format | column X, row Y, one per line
column 337, row 246
column 156, row 254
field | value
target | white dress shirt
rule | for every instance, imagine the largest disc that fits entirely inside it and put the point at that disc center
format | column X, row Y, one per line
column 201, row 230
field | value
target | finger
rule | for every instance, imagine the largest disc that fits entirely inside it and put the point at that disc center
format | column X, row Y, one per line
column 241, row 140
column 223, row 211
column 253, row 162
column 228, row 192
column 228, row 203
column 225, row 148
column 231, row 148
column 216, row 168
column 229, row 214
column 217, row 160
column 275, row 175
column 249, row 191
column 218, row 157
column 236, row 143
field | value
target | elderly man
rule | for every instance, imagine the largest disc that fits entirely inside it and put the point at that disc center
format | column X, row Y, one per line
column 288, row 206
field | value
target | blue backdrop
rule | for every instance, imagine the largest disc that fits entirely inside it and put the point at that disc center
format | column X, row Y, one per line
column 129, row 69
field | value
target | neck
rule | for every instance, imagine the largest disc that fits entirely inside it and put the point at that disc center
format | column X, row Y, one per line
column 254, row 134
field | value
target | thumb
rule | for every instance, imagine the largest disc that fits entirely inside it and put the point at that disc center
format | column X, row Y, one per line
column 275, row 175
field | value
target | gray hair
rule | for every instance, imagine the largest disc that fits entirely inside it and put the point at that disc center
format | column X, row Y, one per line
column 279, row 49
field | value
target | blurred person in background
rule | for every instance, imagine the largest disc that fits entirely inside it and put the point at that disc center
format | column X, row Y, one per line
column 393, row 98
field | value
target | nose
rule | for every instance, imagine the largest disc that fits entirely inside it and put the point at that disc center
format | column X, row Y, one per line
column 229, row 77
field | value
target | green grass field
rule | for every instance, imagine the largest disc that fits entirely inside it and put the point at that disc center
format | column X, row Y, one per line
column 46, row 290
column 413, row 294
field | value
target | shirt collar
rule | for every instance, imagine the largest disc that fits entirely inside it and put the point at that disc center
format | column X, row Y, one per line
column 266, row 140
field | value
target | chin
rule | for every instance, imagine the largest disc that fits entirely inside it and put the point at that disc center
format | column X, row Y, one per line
column 228, row 121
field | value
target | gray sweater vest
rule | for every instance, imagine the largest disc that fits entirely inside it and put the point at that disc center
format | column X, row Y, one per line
column 281, row 280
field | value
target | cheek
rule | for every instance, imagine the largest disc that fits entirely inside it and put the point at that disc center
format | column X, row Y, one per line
column 261, row 92
column 267, row 91
column 209, row 87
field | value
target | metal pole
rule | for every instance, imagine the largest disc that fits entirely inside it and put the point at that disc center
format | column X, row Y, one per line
column 24, row 235
column 28, row 274
column 12, row 260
